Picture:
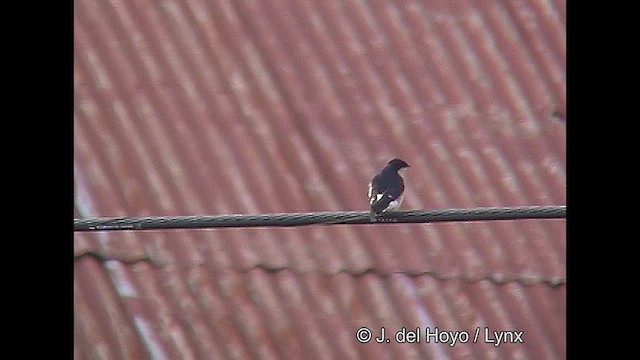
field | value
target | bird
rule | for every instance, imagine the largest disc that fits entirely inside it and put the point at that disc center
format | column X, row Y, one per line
column 386, row 189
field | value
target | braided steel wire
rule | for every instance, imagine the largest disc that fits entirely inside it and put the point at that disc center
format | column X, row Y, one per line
column 318, row 218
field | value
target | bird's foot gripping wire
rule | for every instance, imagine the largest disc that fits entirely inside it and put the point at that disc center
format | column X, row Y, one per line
column 385, row 217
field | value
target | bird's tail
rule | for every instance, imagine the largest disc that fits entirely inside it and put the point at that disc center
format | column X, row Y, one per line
column 379, row 206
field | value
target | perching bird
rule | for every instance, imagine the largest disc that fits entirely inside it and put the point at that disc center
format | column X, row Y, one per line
column 386, row 189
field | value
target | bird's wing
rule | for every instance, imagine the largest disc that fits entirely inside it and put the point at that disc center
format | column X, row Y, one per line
column 376, row 189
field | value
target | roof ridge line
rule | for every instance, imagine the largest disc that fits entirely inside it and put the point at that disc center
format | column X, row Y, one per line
column 496, row 279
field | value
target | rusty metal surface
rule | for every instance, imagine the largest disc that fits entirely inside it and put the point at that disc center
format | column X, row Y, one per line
column 197, row 107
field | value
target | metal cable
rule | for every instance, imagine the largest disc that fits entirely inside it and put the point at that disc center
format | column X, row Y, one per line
column 325, row 218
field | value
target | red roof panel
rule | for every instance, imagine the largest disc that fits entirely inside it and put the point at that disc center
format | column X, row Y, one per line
column 194, row 108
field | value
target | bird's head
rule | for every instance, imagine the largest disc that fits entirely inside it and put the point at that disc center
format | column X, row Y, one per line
column 397, row 164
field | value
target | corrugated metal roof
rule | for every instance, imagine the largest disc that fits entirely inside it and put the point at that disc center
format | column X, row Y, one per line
column 197, row 107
